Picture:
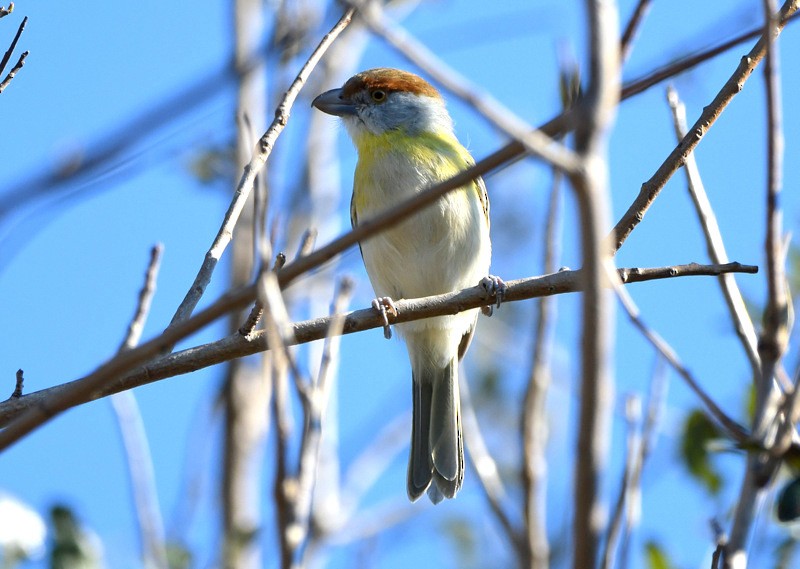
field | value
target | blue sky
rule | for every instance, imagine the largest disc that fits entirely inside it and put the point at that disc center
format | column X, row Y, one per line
column 70, row 272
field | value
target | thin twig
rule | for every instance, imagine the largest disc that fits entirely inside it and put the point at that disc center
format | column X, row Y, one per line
column 260, row 157
column 115, row 143
column 14, row 70
column 633, row 412
column 731, row 427
column 641, row 440
column 285, row 484
column 651, row 188
column 20, row 380
column 6, row 11
column 680, row 65
column 745, row 330
column 366, row 469
column 139, row 461
column 315, row 403
column 55, row 399
column 258, row 307
column 486, row 470
column 775, row 327
column 138, row 457
column 13, row 45
column 146, row 294
column 100, row 381
column 721, row 541
column 534, row 418
column 307, row 242
column 634, row 23
column 656, row 401
column 775, row 332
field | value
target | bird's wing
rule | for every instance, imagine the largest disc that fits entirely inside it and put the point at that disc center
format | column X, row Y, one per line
column 484, row 197
column 354, row 219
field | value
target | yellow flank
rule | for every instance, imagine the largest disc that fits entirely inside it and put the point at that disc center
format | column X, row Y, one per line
column 436, row 157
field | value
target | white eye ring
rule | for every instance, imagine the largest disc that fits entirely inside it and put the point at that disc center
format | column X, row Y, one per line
column 378, row 96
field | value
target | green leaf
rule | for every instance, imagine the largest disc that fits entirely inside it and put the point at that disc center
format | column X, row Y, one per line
column 72, row 548
column 655, row 557
column 698, row 431
column 178, row 557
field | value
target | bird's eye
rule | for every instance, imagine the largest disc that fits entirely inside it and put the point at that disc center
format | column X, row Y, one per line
column 378, row 96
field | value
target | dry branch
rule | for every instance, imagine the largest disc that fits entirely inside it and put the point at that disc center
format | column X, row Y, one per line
column 7, row 56
column 774, row 336
column 651, row 188
column 595, row 114
column 119, row 374
column 261, row 155
column 743, row 325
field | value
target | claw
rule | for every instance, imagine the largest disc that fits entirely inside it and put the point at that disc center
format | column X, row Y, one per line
column 494, row 286
column 384, row 304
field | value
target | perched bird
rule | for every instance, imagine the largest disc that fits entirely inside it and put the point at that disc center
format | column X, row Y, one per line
column 405, row 142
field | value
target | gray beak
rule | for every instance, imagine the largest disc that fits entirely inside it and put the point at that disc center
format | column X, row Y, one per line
column 333, row 103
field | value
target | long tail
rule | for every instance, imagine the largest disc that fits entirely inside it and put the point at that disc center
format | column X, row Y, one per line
column 436, row 460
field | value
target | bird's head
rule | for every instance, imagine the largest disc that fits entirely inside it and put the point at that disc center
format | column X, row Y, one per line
column 381, row 100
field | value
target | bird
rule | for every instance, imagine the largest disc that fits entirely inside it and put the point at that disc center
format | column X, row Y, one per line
column 405, row 141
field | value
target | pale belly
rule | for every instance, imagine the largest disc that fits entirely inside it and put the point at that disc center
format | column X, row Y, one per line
column 440, row 249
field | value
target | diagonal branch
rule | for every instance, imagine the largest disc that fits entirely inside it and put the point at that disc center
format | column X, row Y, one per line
column 651, row 188
column 632, row 27
column 734, row 429
column 13, row 45
column 13, row 73
column 261, row 155
column 745, row 330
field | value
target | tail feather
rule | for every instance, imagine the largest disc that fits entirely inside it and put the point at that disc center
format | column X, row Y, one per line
column 436, row 460
column 420, row 468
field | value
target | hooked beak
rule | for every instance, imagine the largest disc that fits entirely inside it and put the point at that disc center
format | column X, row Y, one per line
column 333, row 103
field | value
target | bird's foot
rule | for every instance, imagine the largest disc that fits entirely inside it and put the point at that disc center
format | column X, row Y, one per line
column 384, row 305
column 494, row 286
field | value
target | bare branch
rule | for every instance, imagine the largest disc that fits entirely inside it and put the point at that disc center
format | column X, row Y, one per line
column 116, row 377
column 487, row 471
column 640, row 444
column 260, row 157
column 534, row 419
column 6, row 11
column 677, row 67
column 590, row 183
column 91, row 386
column 19, row 382
column 138, row 457
column 633, row 411
column 651, row 188
column 315, row 403
column 139, row 461
column 731, row 427
column 136, row 326
column 626, row 43
column 7, row 56
column 776, row 321
column 14, row 70
column 743, row 325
